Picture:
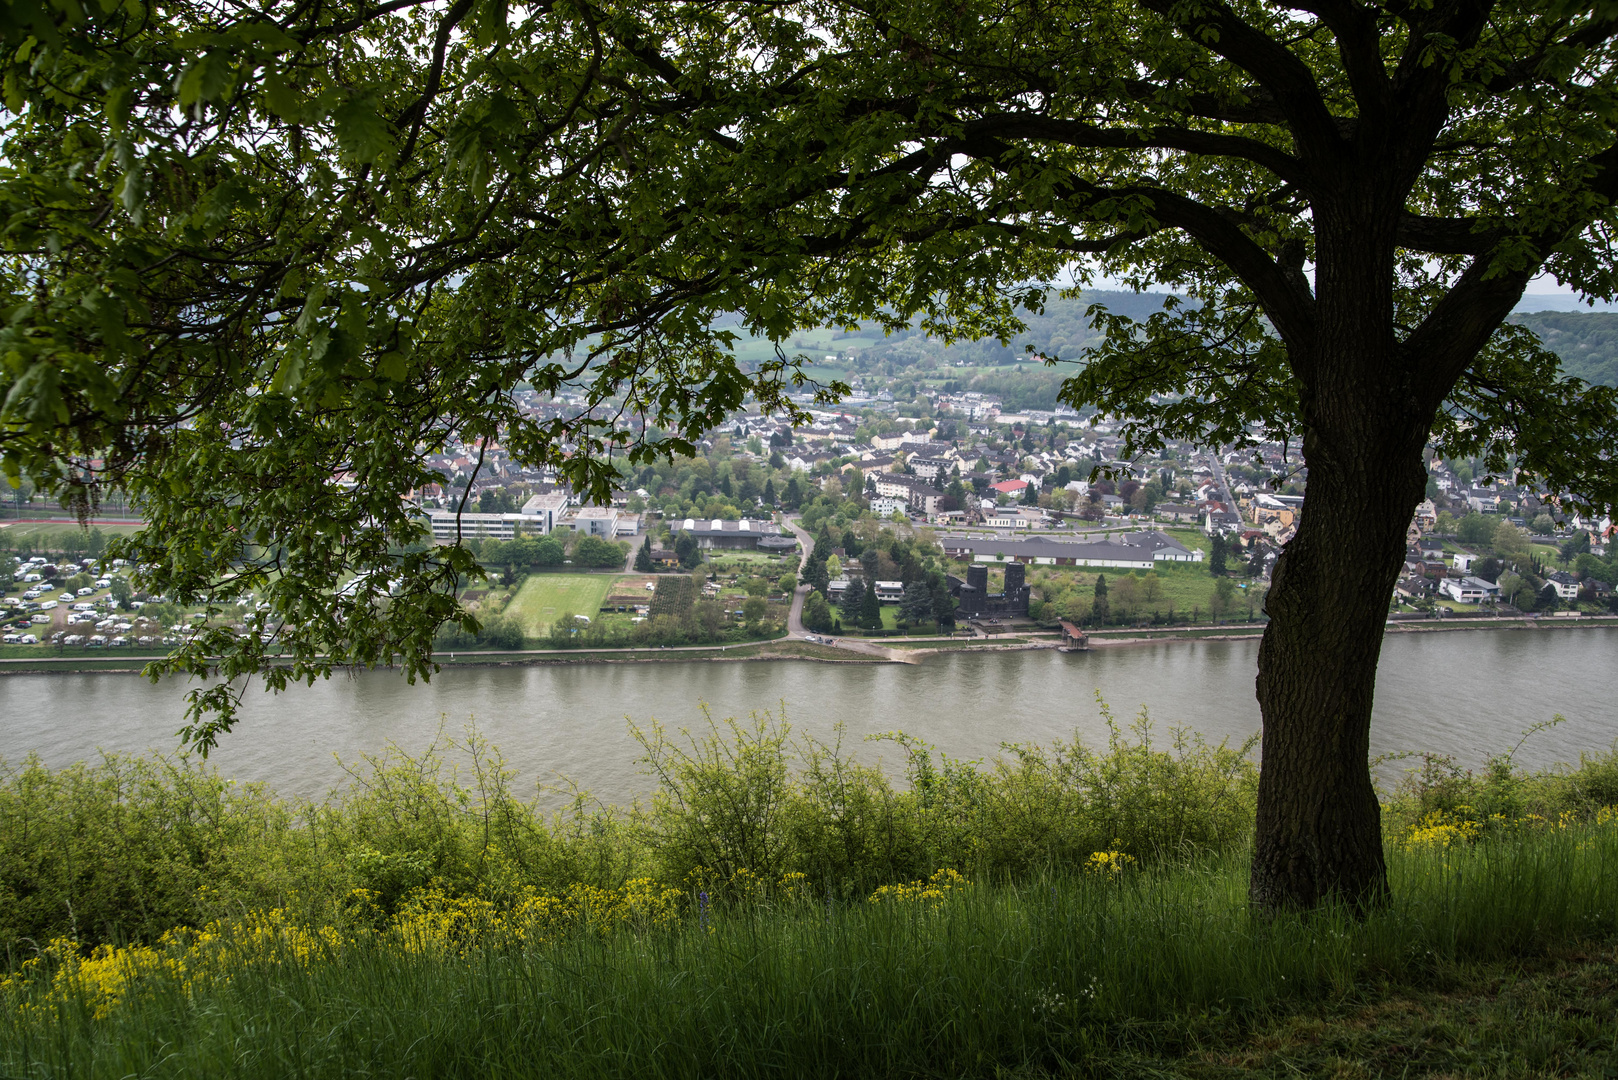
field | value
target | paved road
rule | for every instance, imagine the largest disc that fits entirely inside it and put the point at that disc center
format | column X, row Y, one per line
column 806, row 544
column 1224, row 484
column 795, row 627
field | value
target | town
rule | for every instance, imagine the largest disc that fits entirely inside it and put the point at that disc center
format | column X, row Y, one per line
column 989, row 505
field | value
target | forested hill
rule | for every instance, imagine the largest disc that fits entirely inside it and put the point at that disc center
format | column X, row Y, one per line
column 1062, row 329
column 1586, row 341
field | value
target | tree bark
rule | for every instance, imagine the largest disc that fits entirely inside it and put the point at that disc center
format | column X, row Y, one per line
column 1319, row 832
column 1319, row 823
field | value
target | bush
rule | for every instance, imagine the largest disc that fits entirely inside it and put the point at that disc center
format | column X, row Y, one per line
column 594, row 551
column 127, row 848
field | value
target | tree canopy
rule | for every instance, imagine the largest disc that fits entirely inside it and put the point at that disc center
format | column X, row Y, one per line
column 262, row 258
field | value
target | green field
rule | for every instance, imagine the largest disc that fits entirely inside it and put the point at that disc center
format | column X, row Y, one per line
column 543, row 597
column 1185, row 586
column 50, row 534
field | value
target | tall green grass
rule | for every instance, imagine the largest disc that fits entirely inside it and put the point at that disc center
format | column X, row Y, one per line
column 126, row 848
column 1055, row 971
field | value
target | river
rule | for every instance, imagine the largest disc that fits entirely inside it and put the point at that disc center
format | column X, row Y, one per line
column 1468, row 694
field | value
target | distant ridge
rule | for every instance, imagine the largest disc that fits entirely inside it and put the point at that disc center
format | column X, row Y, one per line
column 1534, row 302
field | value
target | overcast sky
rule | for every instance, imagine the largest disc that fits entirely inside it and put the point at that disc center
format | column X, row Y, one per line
column 1544, row 293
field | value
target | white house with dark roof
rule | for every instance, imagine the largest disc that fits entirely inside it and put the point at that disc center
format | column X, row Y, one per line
column 1131, row 551
column 1565, row 584
column 1468, row 590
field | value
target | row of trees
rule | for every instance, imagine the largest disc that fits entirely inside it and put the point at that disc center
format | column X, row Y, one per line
column 549, row 552
column 74, row 542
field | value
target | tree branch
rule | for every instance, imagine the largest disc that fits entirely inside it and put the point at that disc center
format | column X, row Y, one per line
column 1459, row 325
column 1284, row 294
column 1446, row 236
column 1079, row 134
column 1291, row 84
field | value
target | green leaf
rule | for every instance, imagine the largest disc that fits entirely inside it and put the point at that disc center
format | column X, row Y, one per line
column 491, row 19
column 362, row 132
column 206, row 79
column 280, row 98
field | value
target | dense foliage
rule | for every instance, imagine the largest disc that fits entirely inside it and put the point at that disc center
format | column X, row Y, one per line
column 130, row 847
column 1585, row 342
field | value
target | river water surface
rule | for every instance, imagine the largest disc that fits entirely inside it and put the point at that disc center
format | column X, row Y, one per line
column 1464, row 693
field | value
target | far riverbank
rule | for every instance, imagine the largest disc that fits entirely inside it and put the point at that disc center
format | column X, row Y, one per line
column 1462, row 694
column 845, row 650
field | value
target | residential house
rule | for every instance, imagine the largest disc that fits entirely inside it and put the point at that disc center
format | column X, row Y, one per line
column 887, row 506
column 1468, row 590
column 1174, row 511
column 1566, row 585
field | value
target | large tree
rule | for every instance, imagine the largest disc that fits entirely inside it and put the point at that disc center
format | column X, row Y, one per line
column 262, row 258
column 1355, row 196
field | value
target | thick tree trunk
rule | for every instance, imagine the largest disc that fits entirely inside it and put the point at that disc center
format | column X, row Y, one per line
column 1319, row 832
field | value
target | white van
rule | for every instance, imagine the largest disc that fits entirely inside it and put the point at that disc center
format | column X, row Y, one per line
column 39, row 620
column 10, row 639
column 49, row 605
column 87, row 591
column 28, row 639
column 84, row 607
column 73, row 639
column 101, row 583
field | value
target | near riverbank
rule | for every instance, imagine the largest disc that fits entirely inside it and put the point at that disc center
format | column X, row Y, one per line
column 785, row 910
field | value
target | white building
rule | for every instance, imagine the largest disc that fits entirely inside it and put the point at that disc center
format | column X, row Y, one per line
column 887, row 506
column 603, row 521
column 1468, row 590
column 543, row 510
column 448, row 526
